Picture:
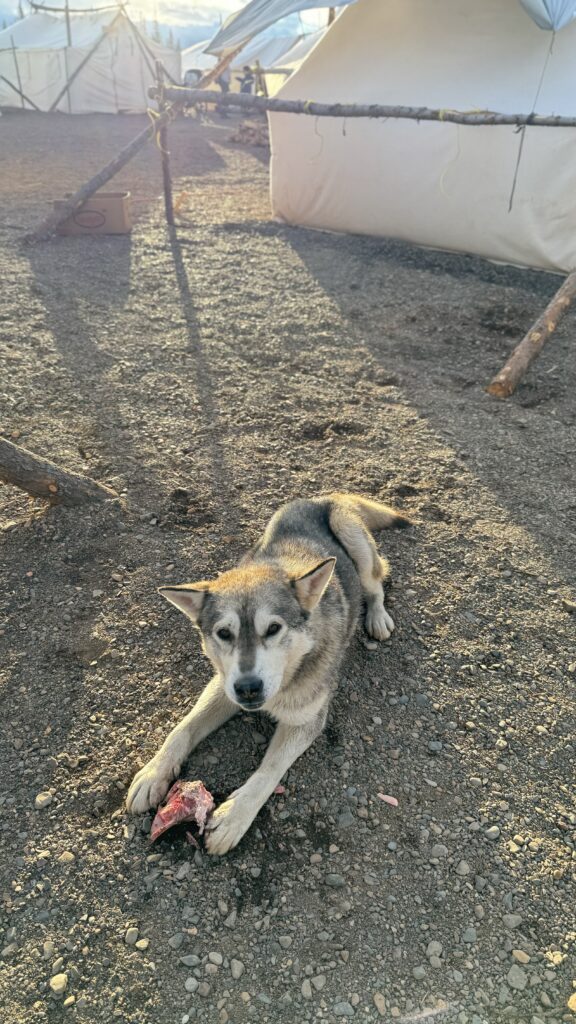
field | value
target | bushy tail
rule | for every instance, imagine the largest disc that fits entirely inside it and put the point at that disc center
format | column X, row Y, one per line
column 373, row 514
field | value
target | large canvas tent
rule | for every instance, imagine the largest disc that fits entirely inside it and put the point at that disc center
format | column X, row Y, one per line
column 104, row 58
column 493, row 191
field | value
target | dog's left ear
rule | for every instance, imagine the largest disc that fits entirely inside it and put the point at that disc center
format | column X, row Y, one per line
column 189, row 598
column 310, row 587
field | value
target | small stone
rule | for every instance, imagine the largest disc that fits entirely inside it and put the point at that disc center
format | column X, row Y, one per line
column 493, row 833
column 59, row 983
column 216, row 958
column 516, row 978
column 319, row 981
column 343, row 1009
column 285, row 941
column 463, row 868
column 435, row 746
column 190, row 960
column 142, row 944
column 204, row 989
column 419, row 972
column 131, row 936
column 439, row 851
column 520, row 956
column 306, row 989
column 380, row 1003
column 336, row 881
column 434, row 948
column 191, row 984
column 236, row 969
column 175, row 941
column 572, row 1002
column 69, row 1001
column 66, row 858
column 469, row 935
column 42, row 800
column 512, row 921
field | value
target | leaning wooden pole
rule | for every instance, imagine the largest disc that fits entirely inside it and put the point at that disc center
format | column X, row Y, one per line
column 43, row 479
column 57, row 217
column 162, row 139
column 505, row 383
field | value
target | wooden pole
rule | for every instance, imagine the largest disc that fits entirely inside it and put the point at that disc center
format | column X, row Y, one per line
column 189, row 97
column 43, row 479
column 57, row 217
column 71, row 78
column 17, row 67
column 505, row 383
column 162, row 139
column 215, row 73
column 19, row 92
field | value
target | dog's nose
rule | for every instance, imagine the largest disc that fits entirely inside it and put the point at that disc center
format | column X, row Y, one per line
column 249, row 690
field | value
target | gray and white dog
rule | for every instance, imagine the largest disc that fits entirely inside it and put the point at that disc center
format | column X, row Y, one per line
column 275, row 629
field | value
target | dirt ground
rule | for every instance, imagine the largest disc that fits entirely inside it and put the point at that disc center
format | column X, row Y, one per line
column 208, row 375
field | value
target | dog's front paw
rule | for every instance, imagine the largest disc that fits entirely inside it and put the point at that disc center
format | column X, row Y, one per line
column 227, row 825
column 148, row 787
column 379, row 624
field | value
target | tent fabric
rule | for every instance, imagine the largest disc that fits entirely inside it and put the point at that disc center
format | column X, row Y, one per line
column 291, row 60
column 114, row 79
column 551, row 14
column 435, row 184
column 257, row 16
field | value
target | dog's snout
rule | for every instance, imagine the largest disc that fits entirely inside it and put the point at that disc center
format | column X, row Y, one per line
column 249, row 690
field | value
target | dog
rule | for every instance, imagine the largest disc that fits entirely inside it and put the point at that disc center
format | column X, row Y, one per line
column 275, row 629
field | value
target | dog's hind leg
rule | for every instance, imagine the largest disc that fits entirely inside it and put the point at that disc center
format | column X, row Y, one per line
column 152, row 782
column 348, row 527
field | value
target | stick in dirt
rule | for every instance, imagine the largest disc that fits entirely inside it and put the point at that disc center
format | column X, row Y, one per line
column 43, row 479
column 505, row 383
column 163, row 146
column 57, row 217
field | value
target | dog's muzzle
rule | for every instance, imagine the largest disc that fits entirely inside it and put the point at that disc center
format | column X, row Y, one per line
column 249, row 692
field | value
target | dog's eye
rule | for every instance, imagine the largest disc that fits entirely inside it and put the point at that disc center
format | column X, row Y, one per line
column 273, row 628
column 224, row 634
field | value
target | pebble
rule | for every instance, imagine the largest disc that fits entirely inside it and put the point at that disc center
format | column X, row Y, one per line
column 43, row 800
column 237, row 969
column 463, row 868
column 142, row 944
column 319, row 981
column 336, row 881
column 343, row 1009
column 380, row 1003
column 204, row 989
column 191, row 984
column 66, row 858
column 131, row 936
column 191, row 960
column 521, row 956
column 216, row 958
column 434, row 948
column 419, row 972
column 572, row 1002
column 58, row 983
column 516, row 978
column 469, row 935
column 439, row 850
column 175, row 941
column 512, row 921
column 69, row 1001
column 306, row 989
column 493, row 832
column 285, row 941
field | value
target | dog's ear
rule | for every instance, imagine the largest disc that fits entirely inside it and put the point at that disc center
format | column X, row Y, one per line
column 189, row 598
column 310, row 587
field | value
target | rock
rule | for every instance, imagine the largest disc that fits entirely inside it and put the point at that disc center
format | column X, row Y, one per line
column 306, row 989
column 572, row 1002
column 346, row 819
column 516, row 978
column 469, row 935
column 42, row 800
column 66, row 858
column 204, row 989
column 439, row 851
column 319, row 981
column 142, row 944
column 512, row 921
column 285, row 941
column 191, row 984
column 343, row 1009
column 190, row 960
column 230, row 921
column 419, row 972
column 216, row 958
column 493, row 833
column 175, row 941
column 131, row 936
column 520, row 956
column 434, row 948
column 463, row 868
column 380, row 1003
column 336, row 881
column 69, row 1001
column 236, row 969
column 59, row 983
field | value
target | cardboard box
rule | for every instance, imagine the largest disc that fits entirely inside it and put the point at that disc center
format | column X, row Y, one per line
column 105, row 213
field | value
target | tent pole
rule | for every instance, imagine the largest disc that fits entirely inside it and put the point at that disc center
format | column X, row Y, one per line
column 162, row 140
column 22, row 95
column 18, row 79
column 74, row 75
column 68, row 47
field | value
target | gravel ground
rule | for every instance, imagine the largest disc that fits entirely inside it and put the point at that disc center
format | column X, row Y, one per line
column 208, row 376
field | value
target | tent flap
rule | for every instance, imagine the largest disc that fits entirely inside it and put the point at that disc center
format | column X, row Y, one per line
column 255, row 17
column 550, row 14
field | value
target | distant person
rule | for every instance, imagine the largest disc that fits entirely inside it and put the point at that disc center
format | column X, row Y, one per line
column 247, row 80
column 223, row 81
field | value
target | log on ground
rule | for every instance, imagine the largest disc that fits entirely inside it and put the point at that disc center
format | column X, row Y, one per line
column 43, row 479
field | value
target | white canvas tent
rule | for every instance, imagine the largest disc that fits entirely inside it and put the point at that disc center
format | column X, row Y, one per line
column 440, row 185
column 109, row 64
column 267, row 48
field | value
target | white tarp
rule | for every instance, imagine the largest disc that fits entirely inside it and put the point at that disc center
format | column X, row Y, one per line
column 114, row 79
column 441, row 185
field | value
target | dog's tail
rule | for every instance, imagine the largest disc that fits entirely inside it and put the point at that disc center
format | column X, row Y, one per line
column 373, row 514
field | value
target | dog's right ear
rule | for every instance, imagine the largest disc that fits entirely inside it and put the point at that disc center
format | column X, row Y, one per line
column 189, row 598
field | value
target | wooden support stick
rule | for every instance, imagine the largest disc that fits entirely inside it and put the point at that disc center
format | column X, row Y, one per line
column 189, row 97
column 505, row 383
column 48, row 226
column 43, row 479
column 214, row 73
column 22, row 95
column 163, row 145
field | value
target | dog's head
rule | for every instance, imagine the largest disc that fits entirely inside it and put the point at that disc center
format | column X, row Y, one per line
column 254, row 622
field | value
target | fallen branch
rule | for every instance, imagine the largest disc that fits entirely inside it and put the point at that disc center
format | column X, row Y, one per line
column 44, row 479
column 57, row 217
column 506, row 382
column 189, row 97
